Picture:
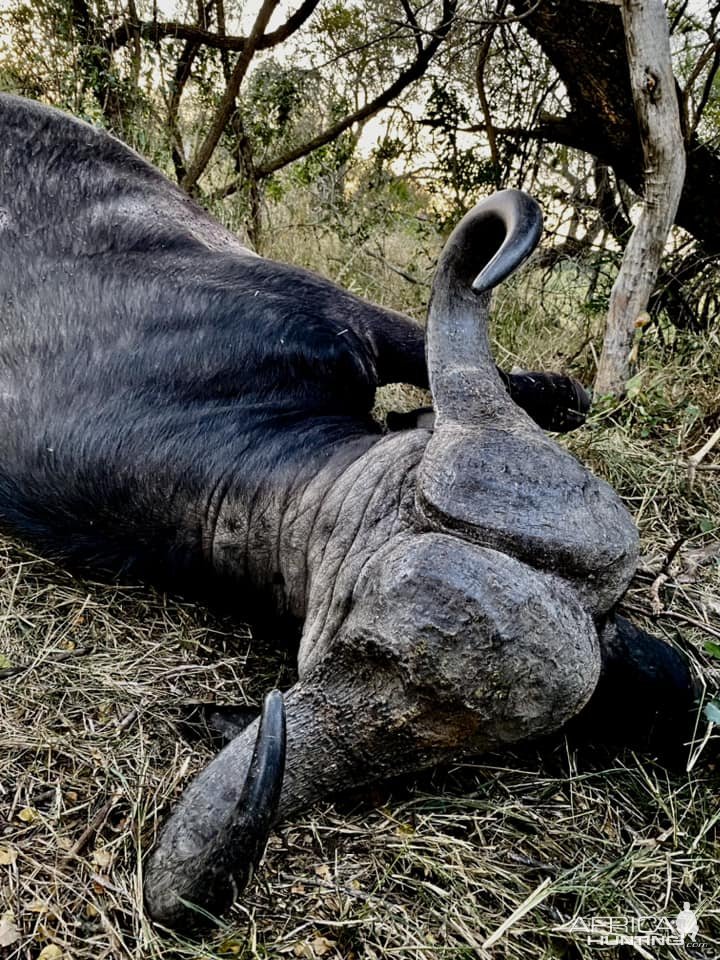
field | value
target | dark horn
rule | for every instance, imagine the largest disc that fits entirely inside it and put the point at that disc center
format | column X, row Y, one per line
column 521, row 219
column 488, row 244
column 200, row 866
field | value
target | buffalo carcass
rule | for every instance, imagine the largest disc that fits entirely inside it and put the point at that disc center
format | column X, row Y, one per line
column 174, row 407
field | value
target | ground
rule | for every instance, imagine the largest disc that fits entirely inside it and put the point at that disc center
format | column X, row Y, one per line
column 502, row 857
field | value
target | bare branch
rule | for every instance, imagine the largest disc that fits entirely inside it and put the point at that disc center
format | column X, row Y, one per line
column 707, row 90
column 360, row 47
column 227, row 104
column 482, row 56
column 412, row 20
column 183, row 69
column 174, row 30
column 700, row 64
column 413, row 72
column 222, row 32
column 517, row 18
column 611, row 212
column 653, row 87
column 679, row 14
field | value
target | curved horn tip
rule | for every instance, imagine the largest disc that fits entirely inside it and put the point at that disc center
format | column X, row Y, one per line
column 268, row 762
column 186, row 893
column 261, row 794
column 522, row 218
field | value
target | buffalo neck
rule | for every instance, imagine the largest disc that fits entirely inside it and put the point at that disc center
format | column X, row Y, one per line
column 290, row 532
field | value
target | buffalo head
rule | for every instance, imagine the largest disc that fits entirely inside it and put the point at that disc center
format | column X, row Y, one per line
column 455, row 581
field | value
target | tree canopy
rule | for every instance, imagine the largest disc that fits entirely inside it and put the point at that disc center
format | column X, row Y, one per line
column 442, row 100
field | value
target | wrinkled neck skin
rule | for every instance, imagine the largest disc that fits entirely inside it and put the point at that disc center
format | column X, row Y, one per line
column 310, row 530
column 370, row 503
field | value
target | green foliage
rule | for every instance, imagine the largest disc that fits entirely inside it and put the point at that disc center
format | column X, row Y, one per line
column 275, row 97
column 340, row 20
column 462, row 170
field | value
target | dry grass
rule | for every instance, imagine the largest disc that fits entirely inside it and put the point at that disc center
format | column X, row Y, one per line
column 508, row 849
column 92, row 760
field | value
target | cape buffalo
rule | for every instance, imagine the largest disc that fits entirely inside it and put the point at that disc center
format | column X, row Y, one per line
column 174, row 407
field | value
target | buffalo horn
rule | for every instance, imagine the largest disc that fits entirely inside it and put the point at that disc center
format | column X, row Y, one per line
column 488, row 244
column 199, row 866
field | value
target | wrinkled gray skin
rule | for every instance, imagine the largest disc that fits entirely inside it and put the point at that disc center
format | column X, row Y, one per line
column 449, row 581
column 450, row 584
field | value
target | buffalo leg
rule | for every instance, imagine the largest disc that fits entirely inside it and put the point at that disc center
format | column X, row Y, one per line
column 554, row 401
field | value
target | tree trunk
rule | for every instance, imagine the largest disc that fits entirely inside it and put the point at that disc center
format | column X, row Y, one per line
column 585, row 44
column 648, row 50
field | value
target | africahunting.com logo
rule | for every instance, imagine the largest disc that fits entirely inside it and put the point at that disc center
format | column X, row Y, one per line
column 650, row 931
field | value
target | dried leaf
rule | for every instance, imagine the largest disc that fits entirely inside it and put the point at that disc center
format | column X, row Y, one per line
column 8, row 854
column 51, row 952
column 318, row 947
column 29, row 815
column 321, row 946
column 323, row 870
column 102, row 857
column 9, row 932
column 5, row 662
